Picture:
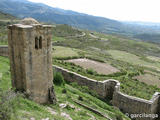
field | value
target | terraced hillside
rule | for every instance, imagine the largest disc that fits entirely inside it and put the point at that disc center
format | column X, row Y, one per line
column 135, row 61
column 132, row 58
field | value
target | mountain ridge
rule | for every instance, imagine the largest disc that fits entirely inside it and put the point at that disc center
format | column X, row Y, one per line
column 49, row 14
column 45, row 13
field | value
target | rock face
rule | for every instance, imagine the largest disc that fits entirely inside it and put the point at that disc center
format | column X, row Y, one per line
column 31, row 61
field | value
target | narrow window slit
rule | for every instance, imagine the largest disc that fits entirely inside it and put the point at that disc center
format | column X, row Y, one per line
column 36, row 43
column 40, row 42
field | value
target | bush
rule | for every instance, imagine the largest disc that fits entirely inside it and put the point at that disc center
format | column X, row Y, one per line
column 91, row 71
column 84, row 89
column 80, row 98
column 58, row 79
column 64, row 91
column 8, row 104
column 119, row 117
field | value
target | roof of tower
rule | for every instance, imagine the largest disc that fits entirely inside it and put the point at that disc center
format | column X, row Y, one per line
column 29, row 21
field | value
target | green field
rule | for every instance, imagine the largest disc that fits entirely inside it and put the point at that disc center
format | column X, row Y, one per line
column 133, row 59
column 64, row 52
column 129, row 56
column 153, row 58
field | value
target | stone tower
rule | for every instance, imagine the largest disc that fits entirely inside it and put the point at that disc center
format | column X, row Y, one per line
column 31, row 59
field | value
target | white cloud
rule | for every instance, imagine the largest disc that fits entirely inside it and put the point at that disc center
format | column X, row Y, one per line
column 135, row 10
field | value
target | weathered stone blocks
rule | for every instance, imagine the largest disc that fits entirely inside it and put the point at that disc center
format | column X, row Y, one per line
column 110, row 89
column 31, row 60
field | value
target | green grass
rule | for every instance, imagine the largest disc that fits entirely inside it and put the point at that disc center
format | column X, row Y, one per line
column 27, row 109
column 5, row 16
column 153, row 58
column 55, row 38
column 5, row 82
column 128, row 84
column 65, row 31
column 133, row 59
column 64, row 52
column 3, row 35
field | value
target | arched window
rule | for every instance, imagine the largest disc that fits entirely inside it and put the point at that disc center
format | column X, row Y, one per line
column 40, row 42
column 36, row 43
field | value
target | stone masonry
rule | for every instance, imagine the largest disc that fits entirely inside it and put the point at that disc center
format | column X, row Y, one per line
column 110, row 89
column 29, row 45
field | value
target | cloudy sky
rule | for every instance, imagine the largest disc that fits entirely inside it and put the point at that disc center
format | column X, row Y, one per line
column 126, row 10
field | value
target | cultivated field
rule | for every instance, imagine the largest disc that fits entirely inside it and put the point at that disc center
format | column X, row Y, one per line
column 133, row 59
column 157, row 59
column 63, row 52
column 149, row 79
column 101, row 68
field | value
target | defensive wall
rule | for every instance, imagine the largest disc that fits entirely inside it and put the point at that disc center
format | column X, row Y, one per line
column 137, row 108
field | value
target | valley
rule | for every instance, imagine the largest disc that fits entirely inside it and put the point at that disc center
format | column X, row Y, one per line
column 135, row 64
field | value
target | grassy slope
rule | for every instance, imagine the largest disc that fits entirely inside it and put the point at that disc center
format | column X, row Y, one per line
column 28, row 109
column 101, row 48
column 121, row 52
column 62, row 52
column 5, row 19
column 5, row 16
column 133, row 59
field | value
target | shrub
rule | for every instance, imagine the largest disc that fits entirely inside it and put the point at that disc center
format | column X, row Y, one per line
column 58, row 79
column 119, row 117
column 8, row 103
column 80, row 98
column 84, row 89
column 91, row 71
column 64, row 91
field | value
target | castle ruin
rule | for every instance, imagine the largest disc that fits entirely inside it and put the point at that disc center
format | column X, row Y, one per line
column 29, row 45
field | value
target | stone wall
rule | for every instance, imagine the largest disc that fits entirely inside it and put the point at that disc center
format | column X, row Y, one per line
column 132, row 106
column 100, row 87
column 4, row 50
column 110, row 89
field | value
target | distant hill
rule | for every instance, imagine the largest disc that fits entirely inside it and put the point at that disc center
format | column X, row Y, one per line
column 149, row 37
column 44, row 13
column 5, row 16
column 6, row 19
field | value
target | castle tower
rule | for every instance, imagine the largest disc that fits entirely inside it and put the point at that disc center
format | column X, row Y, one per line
column 31, row 59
